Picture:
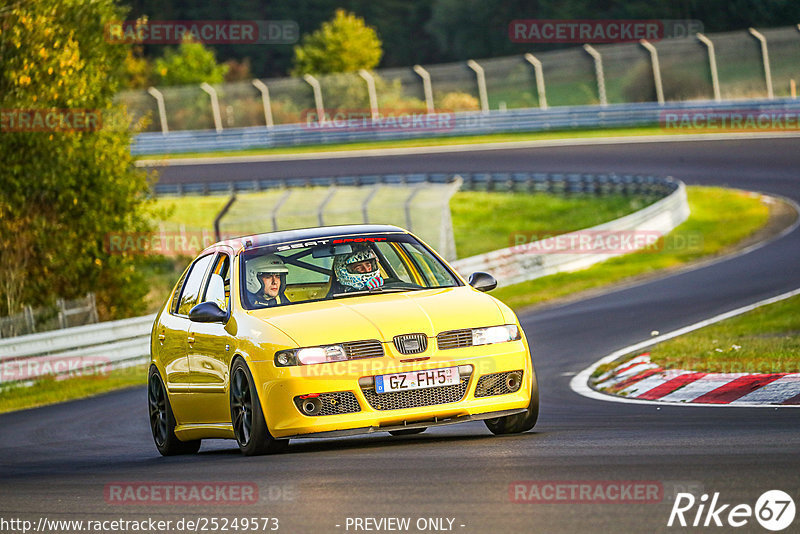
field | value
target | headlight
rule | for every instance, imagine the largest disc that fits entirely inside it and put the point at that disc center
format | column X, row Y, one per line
column 310, row 355
column 495, row 334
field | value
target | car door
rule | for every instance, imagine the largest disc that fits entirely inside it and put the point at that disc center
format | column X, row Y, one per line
column 211, row 349
column 173, row 337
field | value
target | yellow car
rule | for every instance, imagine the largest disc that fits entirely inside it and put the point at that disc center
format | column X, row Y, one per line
column 332, row 331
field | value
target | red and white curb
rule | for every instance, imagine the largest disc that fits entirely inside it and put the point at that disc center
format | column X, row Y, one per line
column 640, row 378
column 640, row 381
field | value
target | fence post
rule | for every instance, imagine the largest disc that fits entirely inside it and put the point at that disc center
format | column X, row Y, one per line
column 28, row 311
column 712, row 64
column 92, row 303
column 373, row 94
column 427, row 87
column 765, row 59
column 278, row 204
column 214, row 105
column 407, row 206
column 656, row 69
column 321, row 207
column 366, row 202
column 162, row 110
column 537, row 69
column 598, row 70
column 261, row 86
column 481, row 78
column 314, row 83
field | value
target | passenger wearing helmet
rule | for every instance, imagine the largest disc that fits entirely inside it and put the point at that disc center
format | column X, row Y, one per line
column 356, row 271
column 266, row 281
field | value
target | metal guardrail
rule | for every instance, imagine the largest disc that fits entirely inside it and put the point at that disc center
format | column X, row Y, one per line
column 517, row 264
column 80, row 350
column 455, row 124
column 532, row 182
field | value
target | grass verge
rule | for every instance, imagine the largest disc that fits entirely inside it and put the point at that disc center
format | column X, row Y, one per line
column 720, row 218
column 764, row 340
column 49, row 390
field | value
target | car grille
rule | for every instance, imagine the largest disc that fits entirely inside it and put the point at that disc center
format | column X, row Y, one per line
column 454, row 339
column 333, row 403
column 370, row 348
column 411, row 343
column 494, row 384
column 397, row 400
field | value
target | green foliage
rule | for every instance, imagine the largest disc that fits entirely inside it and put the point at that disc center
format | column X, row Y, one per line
column 63, row 192
column 344, row 44
column 191, row 63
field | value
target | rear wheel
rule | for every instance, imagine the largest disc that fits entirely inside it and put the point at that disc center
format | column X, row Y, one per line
column 408, row 431
column 521, row 422
column 247, row 418
column 162, row 420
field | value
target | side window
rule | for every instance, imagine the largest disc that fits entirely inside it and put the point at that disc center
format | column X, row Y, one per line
column 191, row 289
column 218, row 288
column 389, row 253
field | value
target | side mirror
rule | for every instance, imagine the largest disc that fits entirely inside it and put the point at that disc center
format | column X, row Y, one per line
column 207, row 312
column 482, row 281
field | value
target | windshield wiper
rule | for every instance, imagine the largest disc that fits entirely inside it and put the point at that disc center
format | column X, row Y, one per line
column 377, row 290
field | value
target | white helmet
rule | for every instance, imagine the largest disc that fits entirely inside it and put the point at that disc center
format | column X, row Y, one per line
column 270, row 263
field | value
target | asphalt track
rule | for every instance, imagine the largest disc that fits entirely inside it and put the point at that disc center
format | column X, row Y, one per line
column 56, row 461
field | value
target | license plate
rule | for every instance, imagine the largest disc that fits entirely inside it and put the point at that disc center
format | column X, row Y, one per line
column 417, row 380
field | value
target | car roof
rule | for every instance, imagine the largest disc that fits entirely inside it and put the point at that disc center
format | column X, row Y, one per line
column 306, row 234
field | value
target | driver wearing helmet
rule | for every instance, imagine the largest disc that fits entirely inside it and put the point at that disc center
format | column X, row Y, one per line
column 356, row 271
column 266, row 281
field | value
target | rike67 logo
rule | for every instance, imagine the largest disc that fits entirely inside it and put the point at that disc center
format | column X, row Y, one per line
column 774, row 510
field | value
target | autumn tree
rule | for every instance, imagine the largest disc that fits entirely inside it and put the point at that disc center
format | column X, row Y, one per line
column 64, row 190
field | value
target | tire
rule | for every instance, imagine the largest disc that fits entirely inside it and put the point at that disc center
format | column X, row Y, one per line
column 162, row 420
column 247, row 418
column 408, row 431
column 517, row 423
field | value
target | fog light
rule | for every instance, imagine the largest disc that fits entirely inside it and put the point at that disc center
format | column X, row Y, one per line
column 514, row 381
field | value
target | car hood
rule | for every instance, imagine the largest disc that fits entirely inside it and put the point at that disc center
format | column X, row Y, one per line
column 383, row 316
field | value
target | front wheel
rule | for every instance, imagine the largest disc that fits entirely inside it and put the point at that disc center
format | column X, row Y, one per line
column 162, row 420
column 247, row 418
column 521, row 422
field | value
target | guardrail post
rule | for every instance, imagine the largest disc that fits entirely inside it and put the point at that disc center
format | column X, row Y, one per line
column 214, row 105
column 261, row 86
column 321, row 207
column 373, row 94
column 598, row 70
column 314, row 83
column 656, row 69
column 537, row 69
column 162, row 110
column 765, row 59
column 712, row 64
column 427, row 87
column 481, row 78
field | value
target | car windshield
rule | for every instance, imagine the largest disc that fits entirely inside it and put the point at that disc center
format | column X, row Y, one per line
column 340, row 267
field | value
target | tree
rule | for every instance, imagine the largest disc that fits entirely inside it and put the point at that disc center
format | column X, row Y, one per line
column 343, row 44
column 192, row 63
column 63, row 192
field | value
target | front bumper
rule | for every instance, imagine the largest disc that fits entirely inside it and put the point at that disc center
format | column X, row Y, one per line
column 282, row 386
